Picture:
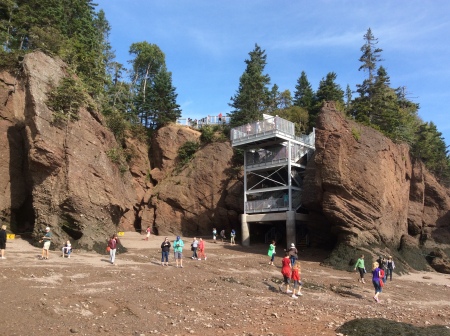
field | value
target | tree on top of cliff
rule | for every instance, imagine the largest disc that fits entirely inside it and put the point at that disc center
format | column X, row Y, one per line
column 328, row 90
column 70, row 29
column 154, row 97
column 253, row 96
column 304, row 95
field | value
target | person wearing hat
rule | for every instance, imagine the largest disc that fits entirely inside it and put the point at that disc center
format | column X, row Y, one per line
column 46, row 238
column 293, row 254
column 178, row 245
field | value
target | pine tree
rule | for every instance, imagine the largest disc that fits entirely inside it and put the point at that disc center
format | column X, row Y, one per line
column 147, row 63
column 304, row 94
column 252, row 98
column 164, row 100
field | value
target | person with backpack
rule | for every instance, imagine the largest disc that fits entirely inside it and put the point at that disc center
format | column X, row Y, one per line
column 390, row 266
column 377, row 280
column 233, row 235
column 361, row 268
column 293, row 254
column 382, row 262
column 112, row 244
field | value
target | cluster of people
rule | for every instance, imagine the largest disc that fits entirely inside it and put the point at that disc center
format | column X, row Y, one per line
column 381, row 270
column 290, row 269
column 223, row 236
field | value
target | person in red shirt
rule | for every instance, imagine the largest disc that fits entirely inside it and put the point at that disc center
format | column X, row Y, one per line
column 295, row 279
column 286, row 271
column 201, row 249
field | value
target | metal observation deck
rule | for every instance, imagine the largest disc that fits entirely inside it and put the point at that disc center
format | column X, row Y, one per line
column 274, row 163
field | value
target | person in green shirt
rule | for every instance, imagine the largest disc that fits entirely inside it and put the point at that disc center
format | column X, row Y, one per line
column 271, row 253
column 178, row 245
column 360, row 266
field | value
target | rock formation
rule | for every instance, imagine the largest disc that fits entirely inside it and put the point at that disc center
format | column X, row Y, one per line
column 368, row 190
column 361, row 189
column 58, row 175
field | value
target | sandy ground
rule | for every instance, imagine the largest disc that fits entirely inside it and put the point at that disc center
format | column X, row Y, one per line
column 233, row 292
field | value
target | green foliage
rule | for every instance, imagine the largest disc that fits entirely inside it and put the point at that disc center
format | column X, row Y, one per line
column 186, row 152
column 304, row 95
column 207, row 135
column 252, row 98
column 66, row 99
column 119, row 157
column 356, row 134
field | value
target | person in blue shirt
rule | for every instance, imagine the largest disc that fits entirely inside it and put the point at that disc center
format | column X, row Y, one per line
column 178, row 245
column 233, row 236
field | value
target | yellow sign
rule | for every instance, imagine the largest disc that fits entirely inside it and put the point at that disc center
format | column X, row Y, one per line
column 121, row 233
column 10, row 236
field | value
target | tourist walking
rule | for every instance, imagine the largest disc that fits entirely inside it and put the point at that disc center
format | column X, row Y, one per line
column 377, row 280
column 361, row 268
column 293, row 254
column 233, row 236
column 165, row 249
column 295, row 280
column 2, row 242
column 112, row 244
column 222, row 235
column 178, row 245
column 271, row 253
column 148, row 232
column 214, row 233
column 47, row 240
column 390, row 266
column 201, row 249
column 194, row 247
column 286, row 272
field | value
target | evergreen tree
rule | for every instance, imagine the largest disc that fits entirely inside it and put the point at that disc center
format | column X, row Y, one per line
column 371, row 55
column 147, row 63
column 164, row 99
column 304, row 94
column 329, row 89
column 252, row 98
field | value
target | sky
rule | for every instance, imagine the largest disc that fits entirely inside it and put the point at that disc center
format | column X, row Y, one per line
column 206, row 43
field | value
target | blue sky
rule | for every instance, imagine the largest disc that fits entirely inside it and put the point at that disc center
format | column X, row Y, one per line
column 207, row 41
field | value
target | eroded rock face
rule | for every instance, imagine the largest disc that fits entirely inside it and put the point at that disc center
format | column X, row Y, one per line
column 59, row 175
column 369, row 191
column 360, row 182
column 192, row 199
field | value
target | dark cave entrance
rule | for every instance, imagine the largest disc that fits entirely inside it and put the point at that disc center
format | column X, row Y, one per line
column 23, row 218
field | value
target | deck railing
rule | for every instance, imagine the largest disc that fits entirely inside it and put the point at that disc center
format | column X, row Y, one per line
column 263, row 126
column 273, row 202
column 199, row 123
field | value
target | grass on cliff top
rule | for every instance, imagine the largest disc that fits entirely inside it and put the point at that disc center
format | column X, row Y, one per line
column 384, row 327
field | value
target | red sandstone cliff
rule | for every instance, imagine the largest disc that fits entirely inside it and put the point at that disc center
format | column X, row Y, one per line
column 368, row 190
column 363, row 188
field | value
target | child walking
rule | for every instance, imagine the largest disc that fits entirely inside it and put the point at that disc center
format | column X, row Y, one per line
column 271, row 253
column 295, row 279
column 286, row 272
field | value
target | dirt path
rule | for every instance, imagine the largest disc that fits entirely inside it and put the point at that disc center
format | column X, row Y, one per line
column 233, row 292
